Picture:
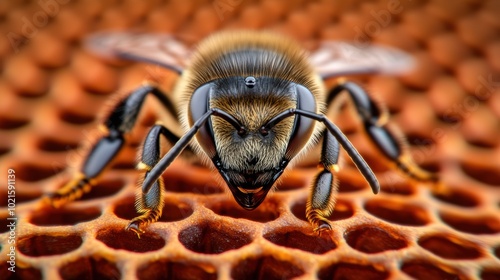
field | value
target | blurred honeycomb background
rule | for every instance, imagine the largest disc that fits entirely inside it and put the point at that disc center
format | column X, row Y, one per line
column 52, row 91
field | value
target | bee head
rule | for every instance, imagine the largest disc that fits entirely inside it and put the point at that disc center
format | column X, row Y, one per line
column 249, row 155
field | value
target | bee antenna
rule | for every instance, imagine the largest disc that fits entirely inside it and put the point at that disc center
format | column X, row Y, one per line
column 165, row 162
column 232, row 120
column 358, row 160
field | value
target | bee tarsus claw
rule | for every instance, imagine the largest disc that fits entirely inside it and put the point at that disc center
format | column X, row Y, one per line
column 323, row 226
column 134, row 226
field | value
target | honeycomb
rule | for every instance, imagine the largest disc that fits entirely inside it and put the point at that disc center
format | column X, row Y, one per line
column 52, row 91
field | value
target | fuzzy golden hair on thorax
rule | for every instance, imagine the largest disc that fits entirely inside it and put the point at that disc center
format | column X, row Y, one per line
column 219, row 56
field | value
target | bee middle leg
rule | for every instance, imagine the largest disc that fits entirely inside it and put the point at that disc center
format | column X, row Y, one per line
column 149, row 202
column 385, row 137
column 321, row 201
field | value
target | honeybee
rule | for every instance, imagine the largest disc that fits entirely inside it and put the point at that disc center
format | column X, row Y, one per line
column 251, row 103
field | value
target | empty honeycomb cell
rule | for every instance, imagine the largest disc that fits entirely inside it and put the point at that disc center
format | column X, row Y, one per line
column 266, row 212
column 102, row 79
column 4, row 150
column 265, row 267
column 398, row 189
column 374, row 239
column 293, row 180
column 48, row 245
column 421, row 29
column 480, row 128
column 432, row 165
column 474, row 32
column 486, row 173
column 206, row 20
column 114, row 17
column 450, row 247
column 8, row 123
column 420, row 141
column 173, row 210
column 89, row 268
column 421, row 125
column 373, row 161
column 125, row 163
column 104, row 188
column 54, row 145
column 335, row 31
column 455, row 94
column 302, row 28
column 29, row 172
column 15, row 106
column 180, row 180
column 26, row 77
column 493, row 55
column 398, row 212
column 457, row 197
column 489, row 13
column 490, row 274
column 351, row 271
column 22, row 196
column 166, row 269
column 73, row 118
column 424, row 72
column 54, row 53
column 289, row 185
column 421, row 269
column 346, row 186
column 160, row 20
column 21, row 272
column 208, row 238
column 450, row 13
column 119, row 238
column 497, row 252
column 74, row 18
column 64, row 216
column 481, row 141
column 137, row 11
column 389, row 91
column 396, row 37
column 471, row 72
column 477, row 224
column 343, row 210
column 449, row 117
column 447, row 50
column 298, row 239
column 253, row 17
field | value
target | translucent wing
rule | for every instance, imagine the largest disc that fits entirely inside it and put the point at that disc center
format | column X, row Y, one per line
column 161, row 49
column 335, row 58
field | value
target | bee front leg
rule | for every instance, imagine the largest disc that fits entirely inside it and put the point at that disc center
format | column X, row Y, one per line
column 321, row 201
column 119, row 122
column 386, row 137
column 149, row 202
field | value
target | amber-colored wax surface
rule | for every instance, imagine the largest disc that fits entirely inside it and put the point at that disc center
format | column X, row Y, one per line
column 53, row 92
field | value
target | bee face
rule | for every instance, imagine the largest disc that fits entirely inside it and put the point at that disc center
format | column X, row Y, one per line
column 251, row 161
column 250, row 78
